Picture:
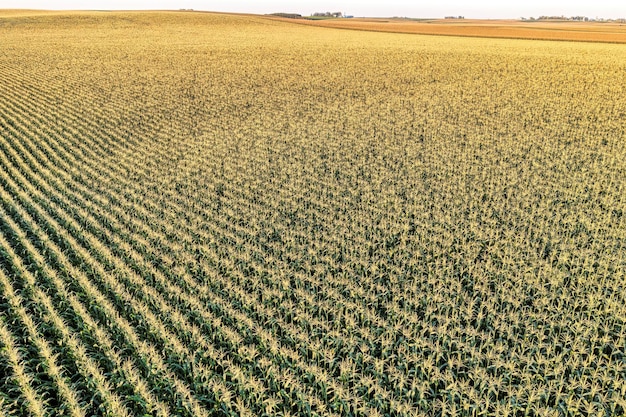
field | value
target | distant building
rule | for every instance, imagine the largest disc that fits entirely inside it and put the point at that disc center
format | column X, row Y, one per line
column 328, row 14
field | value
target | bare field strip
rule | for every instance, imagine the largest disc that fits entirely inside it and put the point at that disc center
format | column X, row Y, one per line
column 510, row 29
column 210, row 214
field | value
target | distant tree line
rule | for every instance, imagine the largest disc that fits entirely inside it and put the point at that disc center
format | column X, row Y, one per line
column 288, row 15
column 314, row 15
column 574, row 19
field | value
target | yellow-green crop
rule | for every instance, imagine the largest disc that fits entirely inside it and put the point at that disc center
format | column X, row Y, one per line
column 207, row 214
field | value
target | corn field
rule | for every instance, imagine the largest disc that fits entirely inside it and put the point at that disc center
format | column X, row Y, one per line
column 223, row 215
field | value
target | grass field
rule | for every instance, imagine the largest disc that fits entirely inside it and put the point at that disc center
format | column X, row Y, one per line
column 209, row 214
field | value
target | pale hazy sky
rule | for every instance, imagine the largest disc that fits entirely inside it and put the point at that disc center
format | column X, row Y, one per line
column 383, row 8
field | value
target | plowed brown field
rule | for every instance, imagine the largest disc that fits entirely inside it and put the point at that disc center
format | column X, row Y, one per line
column 552, row 30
